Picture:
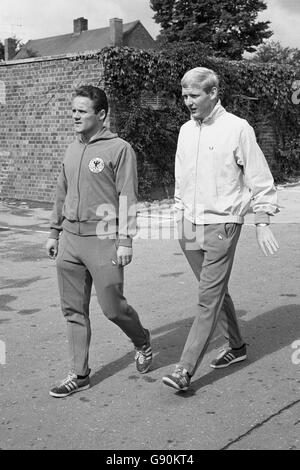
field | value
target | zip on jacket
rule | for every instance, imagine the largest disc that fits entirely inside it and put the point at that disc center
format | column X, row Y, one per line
column 97, row 189
column 220, row 170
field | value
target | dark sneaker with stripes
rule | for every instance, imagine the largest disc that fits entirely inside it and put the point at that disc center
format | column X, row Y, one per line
column 70, row 385
column 180, row 379
column 143, row 356
column 228, row 357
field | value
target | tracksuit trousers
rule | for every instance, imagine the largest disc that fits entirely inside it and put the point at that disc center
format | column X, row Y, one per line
column 210, row 251
column 82, row 261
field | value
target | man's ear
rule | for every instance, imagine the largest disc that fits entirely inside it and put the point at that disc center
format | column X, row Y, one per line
column 102, row 115
column 214, row 93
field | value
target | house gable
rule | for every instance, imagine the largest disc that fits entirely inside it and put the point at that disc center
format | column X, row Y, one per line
column 134, row 35
column 139, row 37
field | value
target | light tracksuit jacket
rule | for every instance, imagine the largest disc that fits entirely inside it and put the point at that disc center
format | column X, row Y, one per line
column 97, row 189
column 220, row 170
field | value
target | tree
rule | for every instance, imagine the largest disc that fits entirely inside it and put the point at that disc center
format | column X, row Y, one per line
column 273, row 51
column 230, row 28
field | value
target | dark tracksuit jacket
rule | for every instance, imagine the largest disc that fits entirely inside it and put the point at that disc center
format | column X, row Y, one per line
column 97, row 189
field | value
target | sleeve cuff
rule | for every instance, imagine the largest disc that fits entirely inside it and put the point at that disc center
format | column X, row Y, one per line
column 261, row 217
column 54, row 233
column 125, row 242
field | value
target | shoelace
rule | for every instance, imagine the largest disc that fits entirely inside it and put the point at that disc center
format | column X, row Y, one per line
column 140, row 356
column 222, row 352
column 70, row 377
column 179, row 372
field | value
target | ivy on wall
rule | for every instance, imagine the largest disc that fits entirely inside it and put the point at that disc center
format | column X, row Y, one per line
column 260, row 93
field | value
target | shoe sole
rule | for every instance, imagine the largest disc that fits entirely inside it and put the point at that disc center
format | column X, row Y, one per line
column 170, row 383
column 238, row 359
column 144, row 371
column 59, row 395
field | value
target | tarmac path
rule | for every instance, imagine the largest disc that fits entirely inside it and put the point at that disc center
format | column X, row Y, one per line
column 252, row 405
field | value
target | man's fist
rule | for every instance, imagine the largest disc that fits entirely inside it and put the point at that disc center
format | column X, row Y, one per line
column 52, row 248
column 124, row 255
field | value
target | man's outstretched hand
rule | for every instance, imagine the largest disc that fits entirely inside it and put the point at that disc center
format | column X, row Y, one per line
column 266, row 240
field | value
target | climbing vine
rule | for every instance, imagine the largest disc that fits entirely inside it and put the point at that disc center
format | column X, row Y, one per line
column 260, row 93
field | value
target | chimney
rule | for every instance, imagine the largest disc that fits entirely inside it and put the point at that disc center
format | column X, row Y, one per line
column 9, row 49
column 80, row 24
column 116, row 31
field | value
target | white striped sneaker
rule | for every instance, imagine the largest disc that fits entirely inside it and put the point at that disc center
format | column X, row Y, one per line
column 180, row 379
column 228, row 357
column 143, row 356
column 70, row 385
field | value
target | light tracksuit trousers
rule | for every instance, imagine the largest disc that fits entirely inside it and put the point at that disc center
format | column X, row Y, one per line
column 82, row 261
column 210, row 251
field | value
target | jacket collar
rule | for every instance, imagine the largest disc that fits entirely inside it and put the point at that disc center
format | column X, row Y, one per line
column 217, row 111
column 102, row 134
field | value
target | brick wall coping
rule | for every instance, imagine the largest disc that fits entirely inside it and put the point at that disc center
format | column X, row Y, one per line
column 47, row 58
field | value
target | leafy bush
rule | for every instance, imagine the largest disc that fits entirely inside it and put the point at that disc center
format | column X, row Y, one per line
column 260, row 93
column 153, row 134
column 288, row 161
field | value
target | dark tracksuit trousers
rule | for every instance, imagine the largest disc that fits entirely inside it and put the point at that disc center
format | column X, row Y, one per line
column 81, row 261
column 210, row 251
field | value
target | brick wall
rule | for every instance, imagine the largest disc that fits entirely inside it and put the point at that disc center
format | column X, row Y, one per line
column 35, row 124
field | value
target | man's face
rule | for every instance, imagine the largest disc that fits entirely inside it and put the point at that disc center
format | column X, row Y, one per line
column 86, row 121
column 199, row 103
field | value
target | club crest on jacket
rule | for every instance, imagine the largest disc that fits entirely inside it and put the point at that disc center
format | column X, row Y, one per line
column 96, row 165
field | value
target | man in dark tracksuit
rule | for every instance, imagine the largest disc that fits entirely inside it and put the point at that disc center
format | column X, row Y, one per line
column 92, row 225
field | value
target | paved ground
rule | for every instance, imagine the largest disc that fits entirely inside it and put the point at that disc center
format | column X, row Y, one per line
column 254, row 405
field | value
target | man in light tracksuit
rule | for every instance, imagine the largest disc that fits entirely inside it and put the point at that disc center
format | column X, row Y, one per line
column 219, row 170
column 92, row 226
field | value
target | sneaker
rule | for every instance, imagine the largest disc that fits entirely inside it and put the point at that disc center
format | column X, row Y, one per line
column 70, row 385
column 229, row 356
column 180, row 379
column 143, row 356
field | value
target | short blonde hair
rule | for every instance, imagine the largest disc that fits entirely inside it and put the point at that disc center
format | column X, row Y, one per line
column 202, row 76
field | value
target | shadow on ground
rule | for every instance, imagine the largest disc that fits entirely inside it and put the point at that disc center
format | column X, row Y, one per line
column 265, row 334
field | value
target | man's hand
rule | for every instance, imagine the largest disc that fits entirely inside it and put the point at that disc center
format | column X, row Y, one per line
column 124, row 255
column 52, row 248
column 266, row 240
